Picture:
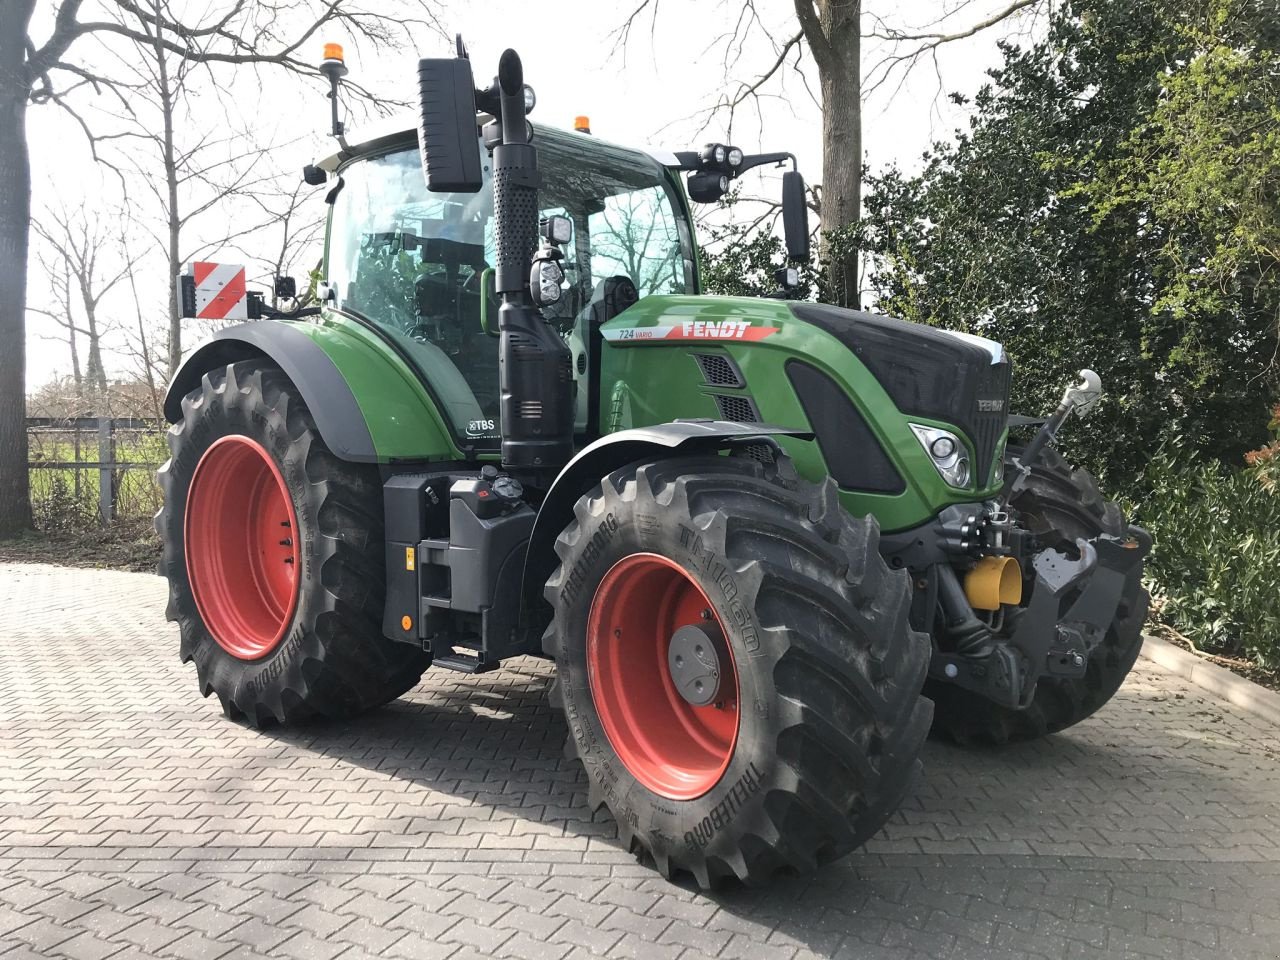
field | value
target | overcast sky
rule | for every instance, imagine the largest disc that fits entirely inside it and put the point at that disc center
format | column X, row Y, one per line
column 656, row 96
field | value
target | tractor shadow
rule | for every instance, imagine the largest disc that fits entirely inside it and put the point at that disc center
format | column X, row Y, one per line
column 489, row 748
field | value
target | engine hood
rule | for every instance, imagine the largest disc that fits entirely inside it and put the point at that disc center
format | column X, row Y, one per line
column 927, row 372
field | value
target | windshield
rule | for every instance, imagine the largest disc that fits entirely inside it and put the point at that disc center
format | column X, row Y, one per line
column 417, row 264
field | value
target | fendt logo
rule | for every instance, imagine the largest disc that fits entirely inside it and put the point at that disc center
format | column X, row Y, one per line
column 712, row 330
column 691, row 330
column 990, row 406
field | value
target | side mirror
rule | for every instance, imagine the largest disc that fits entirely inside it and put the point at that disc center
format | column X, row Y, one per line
column 447, row 135
column 795, row 217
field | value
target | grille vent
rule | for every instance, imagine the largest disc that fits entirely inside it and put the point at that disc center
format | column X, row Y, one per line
column 737, row 409
column 719, row 371
column 530, row 409
column 758, row 451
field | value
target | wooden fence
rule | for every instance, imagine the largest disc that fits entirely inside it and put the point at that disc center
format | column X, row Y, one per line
column 91, row 462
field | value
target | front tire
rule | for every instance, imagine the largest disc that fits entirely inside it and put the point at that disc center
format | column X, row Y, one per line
column 273, row 549
column 1059, row 505
column 814, row 733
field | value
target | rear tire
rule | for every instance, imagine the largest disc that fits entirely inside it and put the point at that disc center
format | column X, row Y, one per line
column 1059, row 505
column 330, row 658
column 827, row 670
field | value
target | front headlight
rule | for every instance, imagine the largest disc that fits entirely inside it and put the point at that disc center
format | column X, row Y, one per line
column 947, row 453
column 997, row 468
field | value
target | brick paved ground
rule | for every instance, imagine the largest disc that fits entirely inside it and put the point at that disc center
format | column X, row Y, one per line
column 135, row 820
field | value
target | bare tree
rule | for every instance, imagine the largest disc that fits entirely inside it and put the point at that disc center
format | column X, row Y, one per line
column 61, row 312
column 301, row 231
column 221, row 34
column 75, row 245
column 830, row 33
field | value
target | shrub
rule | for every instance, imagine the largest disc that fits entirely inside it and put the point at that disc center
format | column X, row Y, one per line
column 1216, row 560
column 57, row 507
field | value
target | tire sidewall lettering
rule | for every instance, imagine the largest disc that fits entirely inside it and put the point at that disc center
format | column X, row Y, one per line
column 623, row 528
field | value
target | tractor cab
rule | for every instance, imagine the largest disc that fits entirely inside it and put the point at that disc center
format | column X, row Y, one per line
column 419, row 265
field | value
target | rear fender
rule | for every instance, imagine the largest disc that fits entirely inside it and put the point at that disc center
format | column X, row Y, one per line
column 321, row 384
column 609, row 453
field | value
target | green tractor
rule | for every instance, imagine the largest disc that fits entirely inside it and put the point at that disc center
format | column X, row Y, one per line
column 768, row 543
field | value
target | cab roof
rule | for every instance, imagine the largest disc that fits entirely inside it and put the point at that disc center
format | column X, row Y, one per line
column 398, row 132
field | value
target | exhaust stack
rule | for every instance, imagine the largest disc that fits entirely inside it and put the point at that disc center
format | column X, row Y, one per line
column 535, row 372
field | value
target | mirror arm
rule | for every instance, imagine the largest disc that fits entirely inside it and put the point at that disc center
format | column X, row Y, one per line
column 760, row 159
column 692, row 161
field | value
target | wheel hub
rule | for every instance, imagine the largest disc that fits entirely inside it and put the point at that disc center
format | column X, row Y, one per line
column 673, row 725
column 694, row 661
column 241, row 546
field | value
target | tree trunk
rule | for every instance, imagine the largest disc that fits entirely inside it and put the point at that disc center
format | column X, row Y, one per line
column 174, row 221
column 841, row 81
column 15, row 217
column 76, row 377
column 94, row 371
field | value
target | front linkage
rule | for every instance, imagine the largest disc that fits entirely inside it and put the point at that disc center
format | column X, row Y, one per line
column 975, row 565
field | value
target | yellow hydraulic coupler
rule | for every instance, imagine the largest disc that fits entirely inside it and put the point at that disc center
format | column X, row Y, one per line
column 994, row 581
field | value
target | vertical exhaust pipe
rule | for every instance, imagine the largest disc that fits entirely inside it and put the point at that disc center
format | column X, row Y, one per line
column 535, row 370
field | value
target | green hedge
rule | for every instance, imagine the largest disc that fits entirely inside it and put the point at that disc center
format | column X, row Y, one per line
column 1216, row 560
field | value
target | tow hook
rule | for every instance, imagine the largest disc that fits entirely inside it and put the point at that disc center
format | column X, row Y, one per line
column 1068, row 657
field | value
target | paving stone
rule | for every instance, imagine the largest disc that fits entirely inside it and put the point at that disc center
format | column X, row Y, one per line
column 196, row 946
column 136, row 820
column 304, row 946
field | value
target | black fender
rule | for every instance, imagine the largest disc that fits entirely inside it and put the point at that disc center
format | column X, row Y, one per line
column 607, row 454
column 321, row 384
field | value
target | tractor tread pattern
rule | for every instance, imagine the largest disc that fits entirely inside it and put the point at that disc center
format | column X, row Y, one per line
column 846, row 667
column 337, row 663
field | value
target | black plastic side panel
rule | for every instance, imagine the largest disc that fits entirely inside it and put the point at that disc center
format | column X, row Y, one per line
column 855, row 459
column 415, row 507
column 322, row 386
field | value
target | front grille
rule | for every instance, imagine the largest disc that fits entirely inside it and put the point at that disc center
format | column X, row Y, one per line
column 737, row 409
column 988, row 427
column 719, row 371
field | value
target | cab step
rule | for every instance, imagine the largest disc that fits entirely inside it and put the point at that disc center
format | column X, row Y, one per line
column 464, row 663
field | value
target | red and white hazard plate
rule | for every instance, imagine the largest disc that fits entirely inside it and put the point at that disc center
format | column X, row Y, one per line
column 219, row 291
column 690, row 330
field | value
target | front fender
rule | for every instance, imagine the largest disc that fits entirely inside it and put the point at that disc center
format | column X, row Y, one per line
column 607, row 454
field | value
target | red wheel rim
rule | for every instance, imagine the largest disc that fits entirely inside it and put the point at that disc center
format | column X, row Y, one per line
column 676, row 749
column 242, row 547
